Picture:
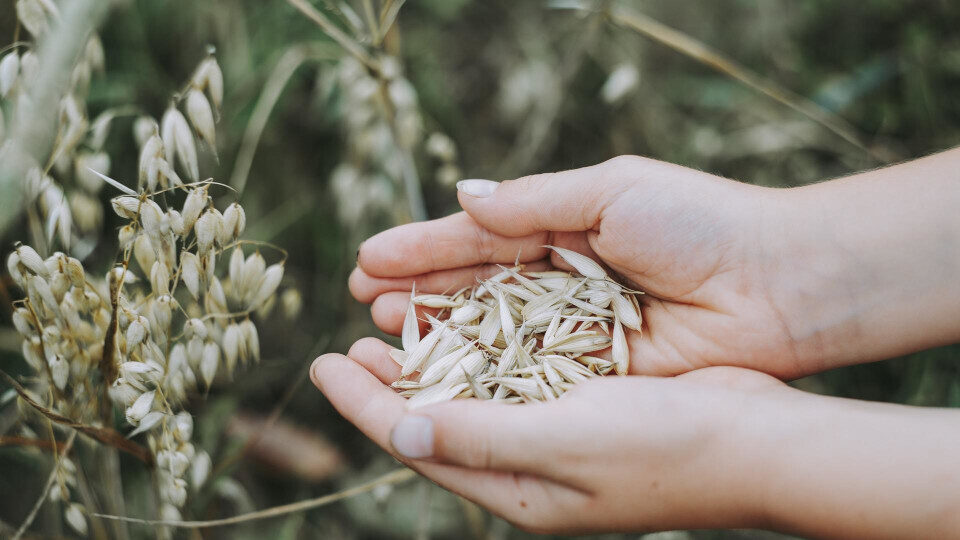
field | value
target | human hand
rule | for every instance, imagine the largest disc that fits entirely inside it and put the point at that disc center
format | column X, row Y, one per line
column 694, row 242
column 618, row 453
column 716, row 447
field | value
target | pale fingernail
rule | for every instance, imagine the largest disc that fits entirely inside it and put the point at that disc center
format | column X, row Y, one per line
column 412, row 437
column 476, row 187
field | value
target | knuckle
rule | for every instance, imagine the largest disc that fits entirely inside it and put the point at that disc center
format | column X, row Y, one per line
column 621, row 164
column 530, row 183
column 360, row 345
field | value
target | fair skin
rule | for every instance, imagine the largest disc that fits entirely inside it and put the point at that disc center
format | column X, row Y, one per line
column 740, row 280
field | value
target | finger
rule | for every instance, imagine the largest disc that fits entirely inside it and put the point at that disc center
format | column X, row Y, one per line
column 389, row 310
column 375, row 409
column 374, row 355
column 365, row 288
column 571, row 200
column 484, row 435
column 450, row 242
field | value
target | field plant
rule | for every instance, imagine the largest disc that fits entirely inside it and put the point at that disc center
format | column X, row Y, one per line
column 165, row 320
column 183, row 187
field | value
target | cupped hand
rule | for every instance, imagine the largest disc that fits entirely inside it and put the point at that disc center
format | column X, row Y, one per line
column 616, row 453
column 696, row 243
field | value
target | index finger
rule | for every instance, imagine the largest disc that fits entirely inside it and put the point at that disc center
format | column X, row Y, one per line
column 454, row 241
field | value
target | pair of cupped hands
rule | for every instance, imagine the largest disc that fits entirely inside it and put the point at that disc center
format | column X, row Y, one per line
column 685, row 441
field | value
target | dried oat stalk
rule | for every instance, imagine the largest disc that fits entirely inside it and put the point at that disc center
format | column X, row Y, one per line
column 518, row 336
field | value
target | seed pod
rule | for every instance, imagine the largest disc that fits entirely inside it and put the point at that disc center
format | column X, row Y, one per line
column 620, row 352
column 209, row 77
column 190, row 272
column 151, row 216
column 410, row 337
column 175, row 220
column 41, row 295
column 179, row 463
column 60, row 370
column 251, row 275
column 169, row 512
column 624, row 310
column 160, row 278
column 68, row 308
column 74, row 272
column 252, row 339
column 207, row 229
column 194, row 327
column 196, row 200
column 29, row 67
column 418, row 356
column 9, row 71
column 163, row 312
column 151, row 150
column 231, row 346
column 13, row 266
column 136, row 412
column 144, row 252
column 209, row 363
column 93, row 53
column 126, row 206
column 75, row 517
column 208, row 264
column 136, row 332
column 145, row 127
column 22, row 322
column 33, row 17
column 234, row 221
column 236, row 270
column 216, row 297
column 581, row 263
column 167, row 176
column 201, row 116
column 174, row 491
column 268, row 284
column 150, row 421
column 195, row 351
column 32, row 260
column 183, row 427
column 126, row 235
column 178, row 142
column 200, row 469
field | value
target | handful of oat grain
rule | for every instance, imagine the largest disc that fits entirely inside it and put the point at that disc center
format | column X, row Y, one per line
column 518, row 336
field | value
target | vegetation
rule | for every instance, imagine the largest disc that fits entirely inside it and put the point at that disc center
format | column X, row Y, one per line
column 340, row 119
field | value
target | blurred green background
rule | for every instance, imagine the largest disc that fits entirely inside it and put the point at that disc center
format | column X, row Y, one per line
column 518, row 86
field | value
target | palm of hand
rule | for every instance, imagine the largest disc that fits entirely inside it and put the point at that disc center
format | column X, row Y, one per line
column 690, row 240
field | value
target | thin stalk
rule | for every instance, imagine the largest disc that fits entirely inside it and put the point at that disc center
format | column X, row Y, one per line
column 393, row 477
column 704, row 54
column 288, row 64
column 46, row 489
column 349, row 44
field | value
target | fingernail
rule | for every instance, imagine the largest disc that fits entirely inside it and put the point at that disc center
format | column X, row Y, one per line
column 412, row 437
column 476, row 187
column 358, row 251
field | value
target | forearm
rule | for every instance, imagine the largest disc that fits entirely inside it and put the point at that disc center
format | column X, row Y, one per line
column 846, row 469
column 868, row 267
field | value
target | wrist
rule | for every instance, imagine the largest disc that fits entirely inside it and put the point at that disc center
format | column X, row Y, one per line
column 816, row 285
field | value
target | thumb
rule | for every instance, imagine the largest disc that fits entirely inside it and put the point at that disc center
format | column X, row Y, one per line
column 477, row 435
column 571, row 200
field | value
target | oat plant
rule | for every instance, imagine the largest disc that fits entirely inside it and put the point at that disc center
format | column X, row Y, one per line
column 169, row 318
